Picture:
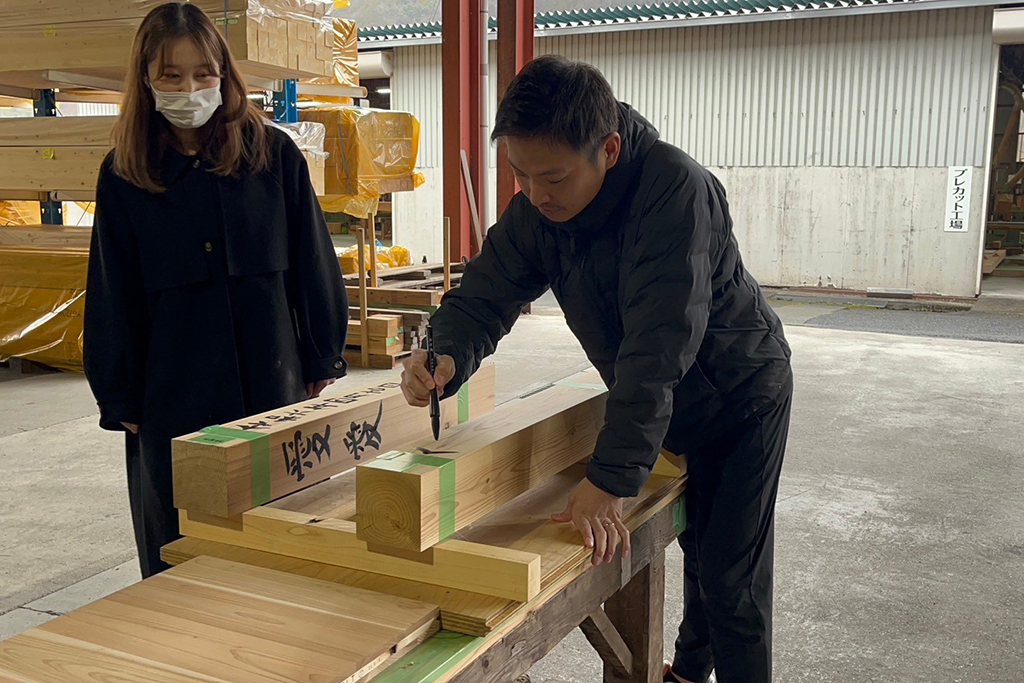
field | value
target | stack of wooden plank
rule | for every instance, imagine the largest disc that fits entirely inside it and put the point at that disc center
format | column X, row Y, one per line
column 63, row 154
column 269, row 38
column 288, row 591
column 197, row 622
column 386, row 334
column 463, row 523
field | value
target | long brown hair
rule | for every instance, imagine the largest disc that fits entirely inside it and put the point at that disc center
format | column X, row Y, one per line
column 235, row 138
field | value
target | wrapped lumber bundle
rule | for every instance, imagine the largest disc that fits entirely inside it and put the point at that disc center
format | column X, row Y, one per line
column 270, row 38
column 370, row 152
column 65, row 153
column 42, row 298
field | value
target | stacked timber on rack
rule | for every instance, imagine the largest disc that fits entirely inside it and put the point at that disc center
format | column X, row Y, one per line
column 399, row 299
column 43, row 43
column 467, row 526
column 62, row 155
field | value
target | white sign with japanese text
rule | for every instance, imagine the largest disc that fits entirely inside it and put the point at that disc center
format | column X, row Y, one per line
column 958, row 198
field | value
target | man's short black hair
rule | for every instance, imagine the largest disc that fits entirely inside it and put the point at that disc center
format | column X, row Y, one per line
column 561, row 101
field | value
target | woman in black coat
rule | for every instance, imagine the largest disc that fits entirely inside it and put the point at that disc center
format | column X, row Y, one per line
column 214, row 291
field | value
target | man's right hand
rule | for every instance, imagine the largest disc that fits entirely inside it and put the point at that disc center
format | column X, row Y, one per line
column 417, row 382
column 133, row 428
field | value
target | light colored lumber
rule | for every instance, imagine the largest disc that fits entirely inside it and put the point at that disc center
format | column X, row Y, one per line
column 213, row 620
column 993, row 257
column 45, row 236
column 364, row 338
column 467, row 566
column 470, row 613
column 376, row 296
column 50, row 168
column 57, row 131
column 378, row 361
column 522, row 525
column 411, row 500
column 221, row 473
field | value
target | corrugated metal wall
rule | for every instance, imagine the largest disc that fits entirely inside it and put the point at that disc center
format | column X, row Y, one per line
column 907, row 89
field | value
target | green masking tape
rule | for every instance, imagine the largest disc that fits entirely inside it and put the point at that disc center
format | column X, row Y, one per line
column 464, row 403
column 402, row 461
column 679, row 515
column 259, row 452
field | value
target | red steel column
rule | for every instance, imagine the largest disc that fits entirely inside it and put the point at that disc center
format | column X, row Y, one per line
column 455, row 120
column 515, row 49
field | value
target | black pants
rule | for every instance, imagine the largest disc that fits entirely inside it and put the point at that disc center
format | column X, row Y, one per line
column 150, row 495
column 728, row 552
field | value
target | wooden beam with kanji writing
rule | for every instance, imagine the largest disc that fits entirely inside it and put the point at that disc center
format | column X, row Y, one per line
column 225, row 470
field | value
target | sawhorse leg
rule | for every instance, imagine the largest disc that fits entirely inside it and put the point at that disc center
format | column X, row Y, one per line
column 629, row 632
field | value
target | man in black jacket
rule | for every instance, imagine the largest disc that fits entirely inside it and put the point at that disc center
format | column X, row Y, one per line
column 635, row 240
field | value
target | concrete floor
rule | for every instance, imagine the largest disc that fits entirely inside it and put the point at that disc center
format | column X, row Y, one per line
column 900, row 543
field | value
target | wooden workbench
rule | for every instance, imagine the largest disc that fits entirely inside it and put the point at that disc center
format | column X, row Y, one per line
column 632, row 592
column 210, row 619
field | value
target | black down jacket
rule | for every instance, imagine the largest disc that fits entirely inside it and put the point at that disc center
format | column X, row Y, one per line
column 650, row 279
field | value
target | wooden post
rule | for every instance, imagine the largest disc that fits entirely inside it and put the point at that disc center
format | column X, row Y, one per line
column 636, row 611
column 447, row 230
column 372, row 225
column 364, row 333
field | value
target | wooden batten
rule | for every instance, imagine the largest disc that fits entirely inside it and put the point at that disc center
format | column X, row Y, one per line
column 228, row 469
column 413, row 499
column 377, row 296
column 473, row 567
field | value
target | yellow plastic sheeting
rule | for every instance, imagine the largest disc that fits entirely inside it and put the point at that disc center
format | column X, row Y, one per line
column 370, row 152
column 19, row 213
column 346, row 61
column 42, row 299
column 387, row 257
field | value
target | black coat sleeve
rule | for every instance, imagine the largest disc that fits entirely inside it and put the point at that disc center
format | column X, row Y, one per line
column 497, row 284
column 317, row 289
column 115, row 336
column 666, row 304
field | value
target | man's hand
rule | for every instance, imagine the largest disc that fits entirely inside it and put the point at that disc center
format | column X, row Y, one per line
column 133, row 428
column 417, row 382
column 598, row 517
column 313, row 389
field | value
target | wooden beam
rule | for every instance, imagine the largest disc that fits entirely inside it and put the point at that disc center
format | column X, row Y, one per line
column 45, row 236
column 395, row 297
column 57, row 131
column 412, row 499
column 50, row 168
column 231, row 468
column 606, row 640
column 498, row 572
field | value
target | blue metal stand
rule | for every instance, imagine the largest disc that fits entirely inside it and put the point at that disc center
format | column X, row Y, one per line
column 45, row 104
column 285, row 108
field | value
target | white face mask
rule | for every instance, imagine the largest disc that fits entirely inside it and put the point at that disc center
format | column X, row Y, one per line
column 187, row 109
